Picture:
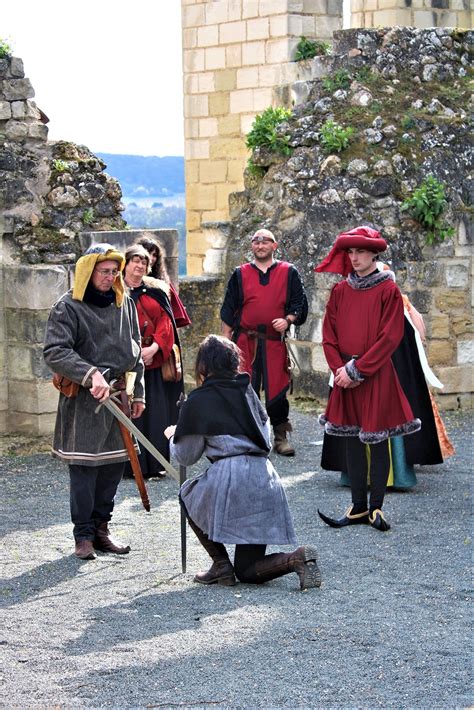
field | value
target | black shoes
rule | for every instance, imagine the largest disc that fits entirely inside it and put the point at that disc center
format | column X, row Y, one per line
column 347, row 519
column 378, row 522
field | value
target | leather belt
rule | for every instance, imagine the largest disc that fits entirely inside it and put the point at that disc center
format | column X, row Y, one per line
column 257, row 334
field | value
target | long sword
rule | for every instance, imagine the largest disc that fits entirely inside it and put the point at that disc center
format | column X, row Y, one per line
column 117, row 412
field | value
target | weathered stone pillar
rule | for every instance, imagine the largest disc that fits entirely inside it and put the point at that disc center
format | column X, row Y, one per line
column 236, row 53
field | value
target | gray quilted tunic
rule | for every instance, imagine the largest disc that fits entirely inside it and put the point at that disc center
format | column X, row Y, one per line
column 239, row 499
column 81, row 337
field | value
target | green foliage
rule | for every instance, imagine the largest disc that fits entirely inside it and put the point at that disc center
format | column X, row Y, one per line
column 255, row 170
column 365, row 76
column 308, row 48
column 263, row 133
column 5, row 49
column 88, row 216
column 339, row 80
column 407, row 122
column 334, row 138
column 60, row 166
column 427, row 205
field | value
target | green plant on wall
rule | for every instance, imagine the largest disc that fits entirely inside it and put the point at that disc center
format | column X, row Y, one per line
column 255, row 170
column 60, row 166
column 334, row 138
column 88, row 216
column 339, row 80
column 264, row 134
column 5, row 49
column 308, row 48
column 427, row 205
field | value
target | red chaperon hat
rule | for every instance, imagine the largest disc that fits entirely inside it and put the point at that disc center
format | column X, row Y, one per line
column 338, row 262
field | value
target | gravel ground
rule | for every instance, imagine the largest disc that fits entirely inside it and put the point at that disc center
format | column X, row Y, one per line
column 390, row 626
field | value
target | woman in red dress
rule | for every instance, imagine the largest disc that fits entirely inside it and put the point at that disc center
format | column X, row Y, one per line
column 363, row 326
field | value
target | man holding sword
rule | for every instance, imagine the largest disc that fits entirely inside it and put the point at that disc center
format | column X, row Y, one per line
column 92, row 338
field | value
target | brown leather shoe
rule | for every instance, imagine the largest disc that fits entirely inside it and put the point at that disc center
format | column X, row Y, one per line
column 281, row 444
column 85, row 550
column 218, row 573
column 303, row 561
column 105, row 543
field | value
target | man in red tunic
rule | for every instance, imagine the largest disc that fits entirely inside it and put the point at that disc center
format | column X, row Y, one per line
column 362, row 328
column 263, row 298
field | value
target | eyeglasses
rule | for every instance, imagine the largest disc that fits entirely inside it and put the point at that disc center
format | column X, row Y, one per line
column 262, row 240
column 107, row 272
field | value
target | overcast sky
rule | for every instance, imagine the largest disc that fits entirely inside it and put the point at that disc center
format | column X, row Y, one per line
column 107, row 73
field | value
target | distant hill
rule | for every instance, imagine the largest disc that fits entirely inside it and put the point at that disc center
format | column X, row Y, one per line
column 141, row 175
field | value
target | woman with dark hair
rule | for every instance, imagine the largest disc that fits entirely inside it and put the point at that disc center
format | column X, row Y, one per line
column 158, row 270
column 159, row 334
column 239, row 499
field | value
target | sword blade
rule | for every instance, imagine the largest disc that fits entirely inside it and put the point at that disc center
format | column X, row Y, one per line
column 117, row 412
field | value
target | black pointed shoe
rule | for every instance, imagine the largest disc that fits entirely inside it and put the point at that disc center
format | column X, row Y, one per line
column 378, row 522
column 347, row 519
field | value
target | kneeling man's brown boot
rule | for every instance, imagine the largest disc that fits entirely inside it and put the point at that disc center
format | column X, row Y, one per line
column 281, row 444
column 105, row 543
column 220, row 572
column 85, row 550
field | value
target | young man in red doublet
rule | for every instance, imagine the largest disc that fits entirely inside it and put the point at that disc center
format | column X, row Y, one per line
column 263, row 298
column 362, row 328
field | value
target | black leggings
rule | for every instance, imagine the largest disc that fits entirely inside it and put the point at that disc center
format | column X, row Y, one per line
column 357, row 468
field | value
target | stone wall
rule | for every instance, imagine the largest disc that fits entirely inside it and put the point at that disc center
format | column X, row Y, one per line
column 237, row 56
column 406, row 95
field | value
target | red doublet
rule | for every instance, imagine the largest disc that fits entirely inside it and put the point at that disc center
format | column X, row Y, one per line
column 155, row 322
column 261, row 304
column 367, row 323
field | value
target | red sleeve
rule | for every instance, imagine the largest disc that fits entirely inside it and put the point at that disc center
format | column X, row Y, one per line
column 389, row 335
column 155, row 322
column 330, row 342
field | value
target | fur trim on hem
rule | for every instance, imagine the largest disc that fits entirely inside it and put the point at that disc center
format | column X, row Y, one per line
column 369, row 437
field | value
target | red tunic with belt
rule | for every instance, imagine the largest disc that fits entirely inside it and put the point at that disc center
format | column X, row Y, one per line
column 366, row 323
column 260, row 306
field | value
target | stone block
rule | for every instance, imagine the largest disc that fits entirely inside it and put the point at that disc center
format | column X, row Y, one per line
column 214, row 261
column 461, row 324
column 258, row 29
column 326, row 25
column 196, row 106
column 228, row 125
column 262, row 98
column 309, row 25
column 316, row 7
column 222, row 196
column 241, row 101
column 465, row 352
column 38, row 131
column 16, row 67
column 246, row 122
column 194, row 265
column 223, row 147
column 6, row 110
column 278, row 26
column 201, row 196
column 273, row 7
column 206, row 82
column 387, row 18
column 295, row 25
column 208, row 36
column 247, row 78
column 208, row 127
column 190, row 38
column 268, row 76
column 235, row 172
column 438, row 327
column 225, row 80
column 196, row 149
column 335, row 7
column 277, row 51
column 16, row 130
column 193, row 218
column 233, row 56
column 37, row 397
column 457, row 275
column 253, row 53
column 230, row 32
column 250, row 8
column 26, row 363
column 34, row 287
column 215, row 215
column 235, row 9
column 194, row 60
column 216, row 12
column 191, row 84
column 192, row 171
column 191, row 128
column 17, row 89
column 423, row 18
column 36, row 424
column 446, row 300
column 440, row 352
column 219, row 104
column 213, row 171
column 25, row 326
column 214, row 58
column 193, row 15
column 456, row 379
